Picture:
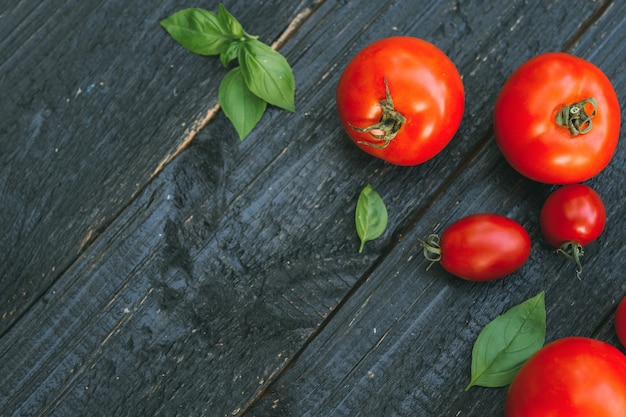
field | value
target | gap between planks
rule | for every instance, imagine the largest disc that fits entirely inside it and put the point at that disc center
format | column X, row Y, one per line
column 600, row 11
column 92, row 235
column 197, row 127
column 568, row 45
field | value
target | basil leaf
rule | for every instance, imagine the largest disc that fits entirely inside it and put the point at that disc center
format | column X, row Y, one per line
column 242, row 108
column 371, row 215
column 230, row 53
column 507, row 342
column 267, row 74
column 229, row 23
column 198, row 30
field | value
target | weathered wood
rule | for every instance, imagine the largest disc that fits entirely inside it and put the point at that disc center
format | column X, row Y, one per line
column 401, row 344
column 211, row 281
column 95, row 97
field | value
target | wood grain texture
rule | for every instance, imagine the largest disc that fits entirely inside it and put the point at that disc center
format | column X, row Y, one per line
column 401, row 344
column 238, row 263
column 95, row 95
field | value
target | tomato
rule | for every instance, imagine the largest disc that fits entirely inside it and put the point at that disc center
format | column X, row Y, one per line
column 572, row 217
column 545, row 122
column 571, row 377
column 620, row 321
column 480, row 247
column 401, row 99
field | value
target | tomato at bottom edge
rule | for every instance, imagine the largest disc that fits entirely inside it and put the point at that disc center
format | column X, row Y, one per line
column 570, row 377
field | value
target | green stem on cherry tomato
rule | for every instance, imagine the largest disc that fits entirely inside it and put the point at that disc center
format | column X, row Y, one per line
column 432, row 249
column 573, row 250
column 576, row 118
column 390, row 123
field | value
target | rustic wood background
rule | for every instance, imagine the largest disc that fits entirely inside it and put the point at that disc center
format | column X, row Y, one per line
column 154, row 265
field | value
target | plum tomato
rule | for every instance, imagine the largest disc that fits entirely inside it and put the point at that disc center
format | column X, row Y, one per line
column 572, row 217
column 620, row 321
column 401, row 99
column 570, row 377
column 480, row 247
column 557, row 119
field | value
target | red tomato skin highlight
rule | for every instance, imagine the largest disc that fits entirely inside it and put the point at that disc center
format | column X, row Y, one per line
column 525, row 119
column 484, row 247
column 570, row 377
column 425, row 86
column 572, row 213
column 620, row 321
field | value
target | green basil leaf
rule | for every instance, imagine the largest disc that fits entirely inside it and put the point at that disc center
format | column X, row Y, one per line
column 198, row 30
column 230, row 53
column 228, row 22
column 242, row 108
column 507, row 342
column 371, row 215
column 267, row 74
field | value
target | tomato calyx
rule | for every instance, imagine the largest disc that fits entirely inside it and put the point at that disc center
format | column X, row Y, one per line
column 575, row 117
column 432, row 249
column 573, row 250
column 390, row 123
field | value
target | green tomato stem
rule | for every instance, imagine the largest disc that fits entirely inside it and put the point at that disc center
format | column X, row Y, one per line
column 432, row 249
column 573, row 250
column 390, row 123
column 575, row 117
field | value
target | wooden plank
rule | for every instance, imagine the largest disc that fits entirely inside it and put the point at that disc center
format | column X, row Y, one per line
column 95, row 98
column 401, row 345
column 205, row 287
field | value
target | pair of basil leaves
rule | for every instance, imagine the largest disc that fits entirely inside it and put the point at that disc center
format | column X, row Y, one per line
column 263, row 76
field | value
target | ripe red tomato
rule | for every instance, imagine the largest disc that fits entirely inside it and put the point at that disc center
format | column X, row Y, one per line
column 620, row 321
column 480, row 247
column 401, row 99
column 572, row 217
column 544, row 146
column 571, row 377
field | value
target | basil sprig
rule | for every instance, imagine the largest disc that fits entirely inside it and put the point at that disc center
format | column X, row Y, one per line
column 262, row 77
column 506, row 343
column 370, row 216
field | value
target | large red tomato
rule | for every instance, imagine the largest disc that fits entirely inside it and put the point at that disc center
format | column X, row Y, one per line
column 571, row 377
column 557, row 119
column 401, row 99
column 480, row 247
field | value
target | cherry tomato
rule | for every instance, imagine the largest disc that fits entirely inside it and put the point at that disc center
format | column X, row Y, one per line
column 480, row 247
column 557, row 119
column 571, row 377
column 572, row 217
column 401, row 99
column 620, row 321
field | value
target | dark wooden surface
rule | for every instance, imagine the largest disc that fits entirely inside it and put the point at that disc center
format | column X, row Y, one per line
column 153, row 264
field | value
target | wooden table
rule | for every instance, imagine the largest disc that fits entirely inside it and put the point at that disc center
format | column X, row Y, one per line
column 153, row 264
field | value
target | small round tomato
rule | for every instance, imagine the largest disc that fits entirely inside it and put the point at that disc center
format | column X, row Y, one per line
column 620, row 321
column 480, row 247
column 401, row 99
column 557, row 119
column 570, row 377
column 572, row 217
